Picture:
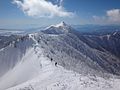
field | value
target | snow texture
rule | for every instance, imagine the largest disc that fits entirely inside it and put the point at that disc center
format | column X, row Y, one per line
column 56, row 59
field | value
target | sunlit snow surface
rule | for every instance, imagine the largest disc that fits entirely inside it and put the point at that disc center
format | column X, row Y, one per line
column 35, row 71
column 57, row 78
column 47, row 76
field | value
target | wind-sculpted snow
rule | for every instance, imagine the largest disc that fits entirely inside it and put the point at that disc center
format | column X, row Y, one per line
column 57, row 78
column 12, row 50
column 52, row 59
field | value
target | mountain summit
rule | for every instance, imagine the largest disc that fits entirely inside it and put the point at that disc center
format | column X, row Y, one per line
column 60, row 28
column 62, row 24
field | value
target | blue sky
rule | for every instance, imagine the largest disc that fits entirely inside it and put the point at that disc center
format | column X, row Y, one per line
column 19, row 14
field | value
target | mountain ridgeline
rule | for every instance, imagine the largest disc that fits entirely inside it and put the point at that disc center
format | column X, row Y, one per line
column 101, row 53
column 85, row 54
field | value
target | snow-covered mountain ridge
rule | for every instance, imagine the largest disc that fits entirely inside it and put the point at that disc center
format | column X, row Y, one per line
column 60, row 28
column 109, row 42
column 25, row 62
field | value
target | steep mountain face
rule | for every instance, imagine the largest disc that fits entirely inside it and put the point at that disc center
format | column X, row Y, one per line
column 83, row 54
column 12, row 50
column 23, row 58
column 109, row 42
column 5, row 40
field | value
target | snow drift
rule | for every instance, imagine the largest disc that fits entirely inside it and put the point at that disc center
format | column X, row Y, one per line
column 25, row 62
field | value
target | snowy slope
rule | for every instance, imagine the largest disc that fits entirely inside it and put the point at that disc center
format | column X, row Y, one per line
column 25, row 62
column 72, row 53
column 26, row 68
column 42, row 74
column 109, row 42
column 12, row 50
column 57, row 78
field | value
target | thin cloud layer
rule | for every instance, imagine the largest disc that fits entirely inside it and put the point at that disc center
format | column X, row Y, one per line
column 42, row 8
column 111, row 17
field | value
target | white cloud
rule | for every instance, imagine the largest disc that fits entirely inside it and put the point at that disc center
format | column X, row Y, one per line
column 42, row 8
column 111, row 17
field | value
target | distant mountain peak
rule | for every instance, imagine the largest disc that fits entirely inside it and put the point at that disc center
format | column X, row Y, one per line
column 62, row 24
column 58, row 28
